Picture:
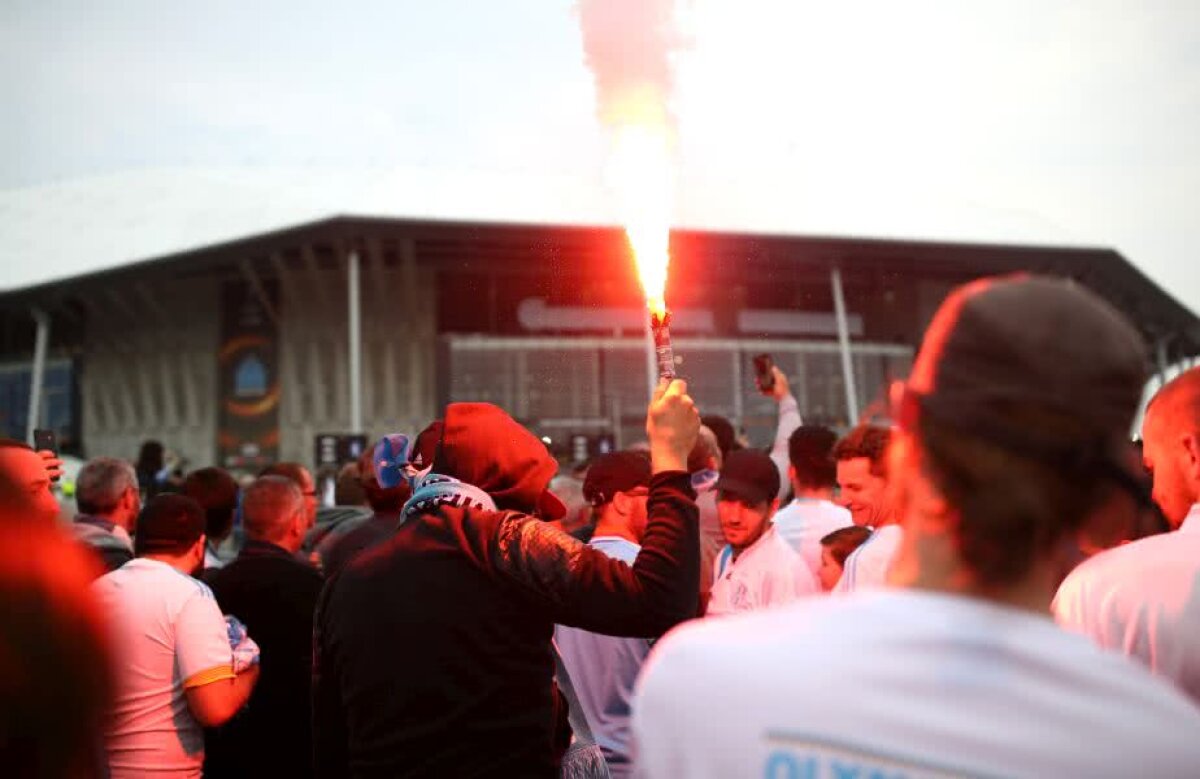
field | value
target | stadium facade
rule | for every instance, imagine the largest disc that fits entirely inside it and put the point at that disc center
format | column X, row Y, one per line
column 245, row 351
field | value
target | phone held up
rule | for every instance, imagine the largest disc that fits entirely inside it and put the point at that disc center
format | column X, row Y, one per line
column 45, row 440
column 764, row 375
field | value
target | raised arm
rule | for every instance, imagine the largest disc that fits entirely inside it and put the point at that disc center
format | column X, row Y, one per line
column 580, row 586
column 789, row 420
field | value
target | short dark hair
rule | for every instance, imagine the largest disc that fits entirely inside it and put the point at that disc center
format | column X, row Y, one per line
column 1012, row 508
column 866, row 440
column 810, row 450
column 217, row 493
column 843, row 541
column 288, row 470
column 169, row 524
column 269, row 505
column 347, row 488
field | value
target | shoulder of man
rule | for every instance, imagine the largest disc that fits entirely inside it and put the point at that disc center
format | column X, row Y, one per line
column 1121, row 566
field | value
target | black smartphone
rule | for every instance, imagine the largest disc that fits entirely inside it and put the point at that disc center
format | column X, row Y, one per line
column 45, row 439
column 764, row 376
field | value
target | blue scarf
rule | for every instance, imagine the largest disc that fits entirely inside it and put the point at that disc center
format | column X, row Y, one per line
column 433, row 490
column 430, row 491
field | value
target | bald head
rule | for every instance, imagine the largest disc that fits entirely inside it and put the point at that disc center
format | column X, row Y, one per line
column 706, row 454
column 272, row 510
column 1178, row 403
column 1171, row 445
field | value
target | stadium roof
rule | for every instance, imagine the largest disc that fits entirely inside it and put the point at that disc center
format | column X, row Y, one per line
column 113, row 226
column 75, row 228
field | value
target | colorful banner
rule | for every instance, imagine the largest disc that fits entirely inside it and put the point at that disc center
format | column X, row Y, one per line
column 248, row 378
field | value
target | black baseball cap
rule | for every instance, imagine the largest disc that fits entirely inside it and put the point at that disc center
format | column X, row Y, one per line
column 169, row 523
column 615, row 472
column 1003, row 351
column 1023, row 341
column 749, row 474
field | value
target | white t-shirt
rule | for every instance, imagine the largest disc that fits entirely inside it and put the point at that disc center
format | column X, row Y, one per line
column 168, row 635
column 867, row 567
column 768, row 573
column 901, row 683
column 1143, row 599
column 805, row 521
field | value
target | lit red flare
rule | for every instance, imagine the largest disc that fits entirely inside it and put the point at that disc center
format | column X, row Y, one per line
column 640, row 171
column 664, row 355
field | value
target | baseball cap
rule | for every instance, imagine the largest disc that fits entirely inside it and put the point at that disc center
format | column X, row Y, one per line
column 615, row 472
column 749, row 474
column 1024, row 341
column 168, row 523
column 1002, row 351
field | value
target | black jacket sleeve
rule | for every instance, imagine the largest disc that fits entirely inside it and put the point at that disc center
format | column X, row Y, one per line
column 580, row 586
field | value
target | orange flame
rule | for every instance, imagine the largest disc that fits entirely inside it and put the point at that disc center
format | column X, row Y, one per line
column 641, row 175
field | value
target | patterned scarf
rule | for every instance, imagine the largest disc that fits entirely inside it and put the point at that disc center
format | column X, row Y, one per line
column 430, row 491
column 433, row 490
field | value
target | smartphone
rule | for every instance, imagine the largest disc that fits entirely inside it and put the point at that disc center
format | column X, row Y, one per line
column 764, row 375
column 45, row 439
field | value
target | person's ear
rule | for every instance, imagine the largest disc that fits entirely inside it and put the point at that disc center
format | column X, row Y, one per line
column 791, row 474
column 199, row 547
column 774, row 507
column 1191, row 458
column 621, row 503
column 914, row 497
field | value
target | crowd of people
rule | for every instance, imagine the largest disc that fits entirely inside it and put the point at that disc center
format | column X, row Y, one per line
column 975, row 585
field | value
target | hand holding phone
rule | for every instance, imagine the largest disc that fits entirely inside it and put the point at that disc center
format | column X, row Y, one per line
column 764, row 373
column 45, row 443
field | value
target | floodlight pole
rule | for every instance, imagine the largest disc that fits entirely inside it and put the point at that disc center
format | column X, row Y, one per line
column 37, row 374
column 355, row 328
column 843, row 329
column 1160, row 354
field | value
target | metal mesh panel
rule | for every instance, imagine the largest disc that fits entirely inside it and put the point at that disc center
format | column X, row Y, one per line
column 564, row 386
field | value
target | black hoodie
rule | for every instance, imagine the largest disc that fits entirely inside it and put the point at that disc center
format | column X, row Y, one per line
column 433, row 650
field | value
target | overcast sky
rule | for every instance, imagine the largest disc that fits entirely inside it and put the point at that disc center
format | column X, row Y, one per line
column 1083, row 118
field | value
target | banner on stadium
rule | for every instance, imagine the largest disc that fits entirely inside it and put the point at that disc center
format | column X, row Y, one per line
column 248, row 377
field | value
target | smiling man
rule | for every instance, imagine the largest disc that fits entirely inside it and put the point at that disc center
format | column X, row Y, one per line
column 863, row 491
column 757, row 568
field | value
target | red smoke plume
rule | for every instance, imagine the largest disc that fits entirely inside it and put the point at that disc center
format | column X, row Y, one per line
column 628, row 45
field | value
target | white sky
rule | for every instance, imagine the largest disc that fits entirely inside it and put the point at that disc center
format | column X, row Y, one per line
column 1017, row 119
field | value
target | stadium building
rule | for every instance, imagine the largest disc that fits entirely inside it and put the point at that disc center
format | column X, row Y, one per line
column 241, row 345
